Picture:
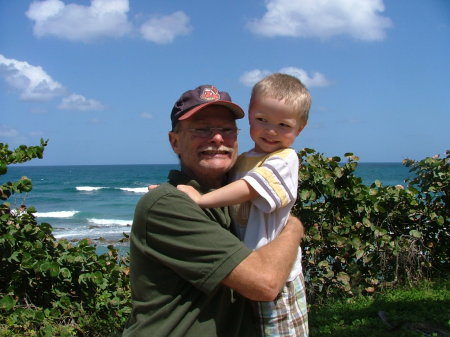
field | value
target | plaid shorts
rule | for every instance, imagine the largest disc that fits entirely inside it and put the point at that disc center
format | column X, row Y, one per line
column 287, row 315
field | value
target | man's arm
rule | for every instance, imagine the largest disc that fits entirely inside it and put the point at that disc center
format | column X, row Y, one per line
column 263, row 273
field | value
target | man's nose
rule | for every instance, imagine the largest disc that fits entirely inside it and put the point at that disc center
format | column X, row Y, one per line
column 217, row 137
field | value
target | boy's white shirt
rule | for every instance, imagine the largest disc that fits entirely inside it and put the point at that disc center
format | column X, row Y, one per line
column 275, row 177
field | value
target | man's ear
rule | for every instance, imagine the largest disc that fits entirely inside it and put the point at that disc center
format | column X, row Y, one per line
column 173, row 139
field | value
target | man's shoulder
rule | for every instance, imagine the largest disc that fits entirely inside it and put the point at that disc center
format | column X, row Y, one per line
column 164, row 190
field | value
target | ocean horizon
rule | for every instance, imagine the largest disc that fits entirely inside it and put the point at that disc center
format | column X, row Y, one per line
column 98, row 201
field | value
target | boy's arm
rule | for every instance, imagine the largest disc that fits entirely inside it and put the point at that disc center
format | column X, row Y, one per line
column 234, row 193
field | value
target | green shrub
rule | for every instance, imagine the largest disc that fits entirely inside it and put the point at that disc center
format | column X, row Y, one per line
column 50, row 287
column 432, row 180
column 360, row 238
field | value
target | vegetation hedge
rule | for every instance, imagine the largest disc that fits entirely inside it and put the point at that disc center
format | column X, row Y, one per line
column 359, row 239
column 362, row 238
column 50, row 287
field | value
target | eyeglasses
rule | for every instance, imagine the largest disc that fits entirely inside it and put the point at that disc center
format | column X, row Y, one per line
column 209, row 132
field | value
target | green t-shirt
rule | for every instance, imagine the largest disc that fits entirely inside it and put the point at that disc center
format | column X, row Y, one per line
column 179, row 254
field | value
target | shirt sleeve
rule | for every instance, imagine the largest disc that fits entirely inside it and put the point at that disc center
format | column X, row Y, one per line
column 276, row 180
column 190, row 240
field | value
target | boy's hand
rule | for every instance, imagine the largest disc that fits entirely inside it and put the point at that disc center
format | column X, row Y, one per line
column 151, row 187
column 191, row 192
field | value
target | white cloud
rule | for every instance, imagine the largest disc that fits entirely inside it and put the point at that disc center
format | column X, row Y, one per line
column 38, row 110
column 103, row 18
column 146, row 115
column 79, row 103
column 11, row 136
column 14, row 138
column 251, row 77
column 316, row 80
column 7, row 132
column 164, row 29
column 360, row 19
column 36, row 134
column 32, row 82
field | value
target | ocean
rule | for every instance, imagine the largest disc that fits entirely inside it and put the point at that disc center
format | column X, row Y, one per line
column 97, row 202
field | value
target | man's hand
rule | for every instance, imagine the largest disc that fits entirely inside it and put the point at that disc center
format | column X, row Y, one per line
column 263, row 273
column 294, row 221
column 191, row 192
column 152, row 187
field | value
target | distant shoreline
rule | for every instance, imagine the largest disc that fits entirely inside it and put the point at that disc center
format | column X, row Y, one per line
column 101, row 244
column 28, row 164
column 101, row 240
column 88, row 165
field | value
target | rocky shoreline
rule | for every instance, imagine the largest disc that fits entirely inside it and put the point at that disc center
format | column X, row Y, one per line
column 104, row 241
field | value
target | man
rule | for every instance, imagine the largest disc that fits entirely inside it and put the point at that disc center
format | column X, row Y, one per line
column 190, row 276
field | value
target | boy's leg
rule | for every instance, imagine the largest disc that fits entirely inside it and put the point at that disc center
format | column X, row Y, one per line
column 302, row 308
column 287, row 315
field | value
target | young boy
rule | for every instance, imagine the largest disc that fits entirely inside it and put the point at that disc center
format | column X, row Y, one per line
column 265, row 189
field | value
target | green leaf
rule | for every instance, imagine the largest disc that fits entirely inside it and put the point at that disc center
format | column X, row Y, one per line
column 366, row 222
column 66, row 273
column 356, row 243
column 3, row 168
column 305, row 194
column 7, row 302
column 308, row 150
column 323, row 264
column 14, row 257
column 359, row 254
column 44, row 266
column 338, row 172
column 343, row 277
column 54, row 269
column 415, row 233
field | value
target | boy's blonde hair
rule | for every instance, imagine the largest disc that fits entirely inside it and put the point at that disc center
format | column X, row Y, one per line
column 286, row 88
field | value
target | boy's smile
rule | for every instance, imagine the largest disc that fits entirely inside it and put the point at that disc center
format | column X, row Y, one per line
column 274, row 124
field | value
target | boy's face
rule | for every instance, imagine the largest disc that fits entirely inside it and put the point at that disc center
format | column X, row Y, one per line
column 274, row 125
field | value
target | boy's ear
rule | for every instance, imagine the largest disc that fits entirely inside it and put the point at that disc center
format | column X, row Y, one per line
column 300, row 129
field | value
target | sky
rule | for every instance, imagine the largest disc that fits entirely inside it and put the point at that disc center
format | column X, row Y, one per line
column 99, row 78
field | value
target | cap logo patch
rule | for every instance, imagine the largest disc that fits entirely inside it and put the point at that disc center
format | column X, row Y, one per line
column 210, row 94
